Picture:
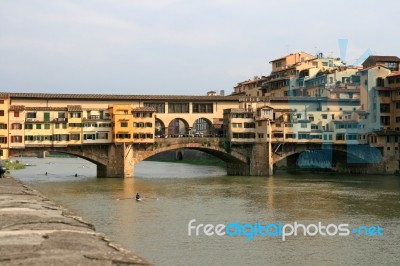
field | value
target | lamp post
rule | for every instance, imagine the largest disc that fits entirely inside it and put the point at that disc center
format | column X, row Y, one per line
column 270, row 161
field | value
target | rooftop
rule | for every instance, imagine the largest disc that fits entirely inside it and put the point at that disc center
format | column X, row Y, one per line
column 106, row 97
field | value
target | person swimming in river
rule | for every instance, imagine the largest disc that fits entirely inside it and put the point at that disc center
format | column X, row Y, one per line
column 138, row 197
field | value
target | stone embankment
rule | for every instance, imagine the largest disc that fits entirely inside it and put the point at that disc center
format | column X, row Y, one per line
column 36, row 231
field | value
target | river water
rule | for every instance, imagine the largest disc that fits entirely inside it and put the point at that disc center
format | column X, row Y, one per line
column 157, row 227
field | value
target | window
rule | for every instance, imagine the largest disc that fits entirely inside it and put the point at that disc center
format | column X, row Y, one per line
column 102, row 135
column 351, row 136
column 31, row 115
column 75, row 115
column 1, row 112
column 28, row 126
column 75, row 136
column 202, row 108
column 61, row 137
column 249, row 125
column 244, row 135
column 3, row 140
column 3, row 126
column 385, row 108
column 73, row 125
column 178, row 107
column 385, row 120
column 324, row 116
column 30, row 138
column 123, row 136
column 340, row 136
column 160, row 107
column 89, row 136
column 16, row 114
column 124, row 124
column 46, row 126
column 290, row 136
column 16, row 126
column 304, row 136
column 46, row 117
column 260, row 135
column 303, row 125
column 16, row 139
column 298, row 116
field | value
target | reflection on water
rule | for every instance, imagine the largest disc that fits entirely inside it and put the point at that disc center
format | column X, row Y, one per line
column 176, row 193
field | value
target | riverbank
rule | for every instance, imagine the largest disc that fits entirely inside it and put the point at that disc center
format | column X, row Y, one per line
column 36, row 231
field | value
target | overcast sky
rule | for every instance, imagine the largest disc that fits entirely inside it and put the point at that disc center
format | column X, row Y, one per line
column 176, row 46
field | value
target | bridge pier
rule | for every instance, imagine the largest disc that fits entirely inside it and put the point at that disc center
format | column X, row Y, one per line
column 120, row 162
column 261, row 161
column 237, row 169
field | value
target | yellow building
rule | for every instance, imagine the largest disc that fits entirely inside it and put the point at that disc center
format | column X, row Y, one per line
column 239, row 125
column 4, row 126
column 122, row 122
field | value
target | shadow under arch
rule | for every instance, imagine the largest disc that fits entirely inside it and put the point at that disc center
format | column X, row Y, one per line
column 218, row 153
column 332, row 158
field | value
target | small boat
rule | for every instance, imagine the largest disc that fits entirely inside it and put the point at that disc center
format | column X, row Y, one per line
column 138, row 199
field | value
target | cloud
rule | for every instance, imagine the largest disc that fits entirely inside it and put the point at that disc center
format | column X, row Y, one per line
column 152, row 44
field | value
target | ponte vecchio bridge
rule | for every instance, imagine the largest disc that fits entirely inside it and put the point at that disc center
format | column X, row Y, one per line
column 118, row 131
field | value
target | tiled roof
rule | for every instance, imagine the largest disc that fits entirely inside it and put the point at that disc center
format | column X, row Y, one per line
column 116, row 97
column 265, row 106
column 45, row 108
column 394, row 74
column 387, row 133
column 74, row 108
column 17, row 108
column 384, row 58
column 144, row 109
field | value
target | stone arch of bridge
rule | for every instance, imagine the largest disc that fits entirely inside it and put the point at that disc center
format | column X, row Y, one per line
column 338, row 155
column 98, row 157
column 220, row 153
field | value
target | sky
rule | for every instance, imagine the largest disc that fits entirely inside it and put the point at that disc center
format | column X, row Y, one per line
column 177, row 47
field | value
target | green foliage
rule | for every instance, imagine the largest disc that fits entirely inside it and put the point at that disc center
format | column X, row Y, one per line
column 10, row 165
column 226, row 145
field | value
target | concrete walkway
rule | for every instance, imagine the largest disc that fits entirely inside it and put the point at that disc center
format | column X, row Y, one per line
column 35, row 231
